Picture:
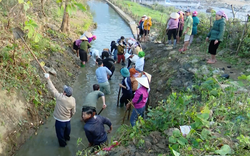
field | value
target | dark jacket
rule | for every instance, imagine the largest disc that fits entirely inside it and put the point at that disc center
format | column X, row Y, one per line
column 127, row 82
column 109, row 63
column 217, row 31
column 95, row 131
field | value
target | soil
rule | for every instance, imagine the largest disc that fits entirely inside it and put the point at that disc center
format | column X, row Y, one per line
column 20, row 119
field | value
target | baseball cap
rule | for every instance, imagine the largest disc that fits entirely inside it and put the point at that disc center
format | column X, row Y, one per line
column 68, row 90
column 188, row 10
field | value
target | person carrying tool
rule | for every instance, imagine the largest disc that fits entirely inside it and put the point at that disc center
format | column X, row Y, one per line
column 126, row 87
column 139, row 100
column 94, row 127
column 92, row 97
column 102, row 74
column 64, row 110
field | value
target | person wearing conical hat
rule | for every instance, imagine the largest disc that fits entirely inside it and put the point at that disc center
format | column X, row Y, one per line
column 140, row 99
column 172, row 27
column 126, row 87
column 139, row 64
column 84, row 47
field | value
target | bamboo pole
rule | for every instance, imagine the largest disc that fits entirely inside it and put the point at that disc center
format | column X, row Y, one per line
column 243, row 34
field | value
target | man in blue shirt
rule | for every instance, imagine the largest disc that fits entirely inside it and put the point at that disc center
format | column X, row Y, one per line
column 94, row 127
column 102, row 74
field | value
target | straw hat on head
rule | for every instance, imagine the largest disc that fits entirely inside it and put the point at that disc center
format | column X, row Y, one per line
column 149, row 76
column 174, row 15
column 88, row 34
column 83, row 38
column 143, row 81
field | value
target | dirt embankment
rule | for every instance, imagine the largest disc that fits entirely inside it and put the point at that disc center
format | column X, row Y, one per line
column 21, row 113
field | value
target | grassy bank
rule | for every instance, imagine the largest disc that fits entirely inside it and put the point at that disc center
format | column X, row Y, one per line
column 21, row 75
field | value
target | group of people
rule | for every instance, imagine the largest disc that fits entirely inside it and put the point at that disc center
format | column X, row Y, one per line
column 181, row 23
column 144, row 26
column 134, row 86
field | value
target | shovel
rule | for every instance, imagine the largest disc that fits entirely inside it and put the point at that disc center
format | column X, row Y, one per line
column 18, row 33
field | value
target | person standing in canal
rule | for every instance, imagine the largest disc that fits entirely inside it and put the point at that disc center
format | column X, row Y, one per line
column 102, row 74
column 107, row 62
column 140, row 99
column 187, row 31
column 126, row 86
column 94, row 127
column 120, row 53
column 215, row 36
column 64, row 110
column 196, row 21
column 92, row 97
column 83, row 52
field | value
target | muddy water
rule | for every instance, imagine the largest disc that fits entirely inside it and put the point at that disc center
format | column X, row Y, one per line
column 110, row 27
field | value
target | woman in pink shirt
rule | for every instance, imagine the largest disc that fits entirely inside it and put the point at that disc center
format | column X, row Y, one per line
column 140, row 99
column 172, row 27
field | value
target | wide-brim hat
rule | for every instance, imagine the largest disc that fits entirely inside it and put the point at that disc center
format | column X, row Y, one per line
column 174, row 15
column 149, row 76
column 88, row 34
column 125, row 72
column 143, row 81
column 84, row 38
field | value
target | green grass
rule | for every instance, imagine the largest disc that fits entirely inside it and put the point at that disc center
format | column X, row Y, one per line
column 137, row 10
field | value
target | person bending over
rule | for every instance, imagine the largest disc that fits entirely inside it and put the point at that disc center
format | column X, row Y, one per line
column 94, row 127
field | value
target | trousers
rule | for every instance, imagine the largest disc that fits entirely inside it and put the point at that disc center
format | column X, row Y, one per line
column 62, row 132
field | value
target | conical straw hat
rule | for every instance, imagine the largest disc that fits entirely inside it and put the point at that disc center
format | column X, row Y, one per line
column 174, row 15
column 83, row 38
column 149, row 76
column 143, row 81
column 88, row 34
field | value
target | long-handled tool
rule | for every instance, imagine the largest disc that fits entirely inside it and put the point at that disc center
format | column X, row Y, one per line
column 100, row 111
column 18, row 33
column 118, row 98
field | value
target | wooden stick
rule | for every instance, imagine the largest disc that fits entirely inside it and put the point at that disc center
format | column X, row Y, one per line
column 233, row 11
column 124, row 117
column 242, row 36
column 32, row 53
column 118, row 98
column 129, row 110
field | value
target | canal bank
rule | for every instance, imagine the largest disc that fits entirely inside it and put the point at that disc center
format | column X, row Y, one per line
column 110, row 27
column 132, row 24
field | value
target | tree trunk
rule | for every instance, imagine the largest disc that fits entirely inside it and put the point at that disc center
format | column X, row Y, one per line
column 65, row 21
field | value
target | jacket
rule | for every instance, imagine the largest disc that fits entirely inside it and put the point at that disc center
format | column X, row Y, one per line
column 173, row 23
column 65, row 106
column 217, row 31
column 147, row 24
column 120, row 50
column 196, row 21
column 127, row 82
column 95, row 131
column 140, row 98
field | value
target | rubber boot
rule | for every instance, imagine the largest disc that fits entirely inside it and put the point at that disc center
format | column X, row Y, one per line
column 174, row 44
column 82, row 65
column 169, row 41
